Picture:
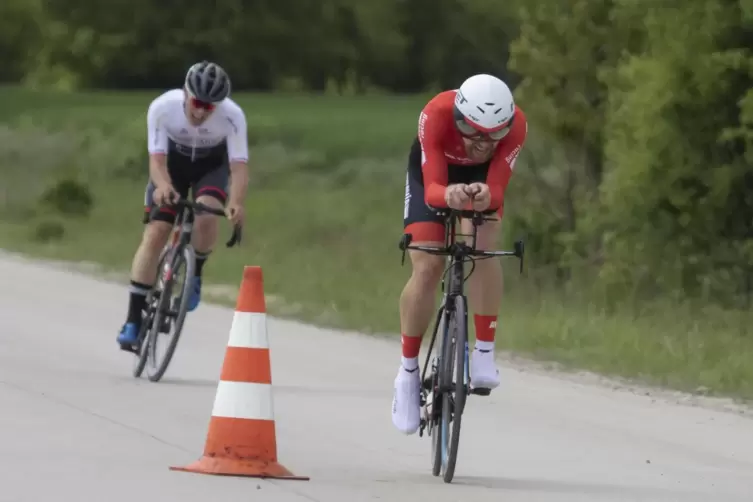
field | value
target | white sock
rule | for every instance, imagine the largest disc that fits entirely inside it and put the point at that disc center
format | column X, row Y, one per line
column 484, row 345
column 410, row 363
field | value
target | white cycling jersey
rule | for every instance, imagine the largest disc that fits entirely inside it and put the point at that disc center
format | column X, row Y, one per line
column 169, row 129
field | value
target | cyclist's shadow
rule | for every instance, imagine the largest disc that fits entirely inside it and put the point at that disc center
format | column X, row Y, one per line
column 189, row 382
column 595, row 489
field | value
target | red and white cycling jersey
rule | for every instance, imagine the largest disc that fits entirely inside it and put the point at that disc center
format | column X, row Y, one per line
column 442, row 144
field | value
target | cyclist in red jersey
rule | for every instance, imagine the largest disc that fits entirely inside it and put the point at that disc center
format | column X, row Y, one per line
column 465, row 152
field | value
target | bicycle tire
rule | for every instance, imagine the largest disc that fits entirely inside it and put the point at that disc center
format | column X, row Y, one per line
column 187, row 257
column 145, row 332
column 445, row 382
column 435, row 431
column 461, row 386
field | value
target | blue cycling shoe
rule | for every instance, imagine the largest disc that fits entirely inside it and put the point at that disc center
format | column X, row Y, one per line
column 195, row 298
column 128, row 336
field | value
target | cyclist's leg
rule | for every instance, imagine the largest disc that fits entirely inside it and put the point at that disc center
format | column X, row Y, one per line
column 211, row 190
column 417, row 300
column 145, row 260
column 485, row 295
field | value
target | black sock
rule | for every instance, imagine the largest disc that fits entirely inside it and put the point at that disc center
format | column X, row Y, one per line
column 201, row 259
column 137, row 302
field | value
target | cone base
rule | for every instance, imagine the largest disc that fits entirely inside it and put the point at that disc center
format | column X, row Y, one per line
column 233, row 467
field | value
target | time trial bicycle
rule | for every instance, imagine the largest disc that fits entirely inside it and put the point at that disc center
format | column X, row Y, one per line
column 444, row 391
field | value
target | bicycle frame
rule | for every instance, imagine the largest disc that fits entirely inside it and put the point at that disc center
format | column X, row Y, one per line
column 177, row 250
column 448, row 396
column 180, row 237
column 183, row 227
column 457, row 254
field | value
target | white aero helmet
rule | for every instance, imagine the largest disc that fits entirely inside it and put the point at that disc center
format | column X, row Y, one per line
column 484, row 106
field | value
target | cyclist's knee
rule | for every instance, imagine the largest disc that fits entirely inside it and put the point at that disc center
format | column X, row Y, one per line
column 208, row 199
column 206, row 221
column 427, row 268
column 155, row 235
column 486, row 236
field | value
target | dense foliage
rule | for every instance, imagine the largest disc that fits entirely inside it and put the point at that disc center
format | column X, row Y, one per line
column 402, row 45
column 649, row 104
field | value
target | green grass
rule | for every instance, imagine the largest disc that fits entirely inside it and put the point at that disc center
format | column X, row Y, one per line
column 324, row 218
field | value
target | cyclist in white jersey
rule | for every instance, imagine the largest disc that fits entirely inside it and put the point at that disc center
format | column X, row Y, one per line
column 196, row 141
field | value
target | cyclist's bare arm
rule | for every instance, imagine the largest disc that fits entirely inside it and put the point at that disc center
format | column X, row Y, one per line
column 238, row 182
column 158, row 170
column 237, row 151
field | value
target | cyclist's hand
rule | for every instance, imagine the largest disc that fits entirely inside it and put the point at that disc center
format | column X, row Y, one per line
column 235, row 213
column 165, row 195
column 482, row 197
column 456, row 196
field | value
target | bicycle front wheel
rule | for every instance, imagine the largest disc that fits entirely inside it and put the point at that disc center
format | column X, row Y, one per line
column 438, row 448
column 453, row 399
column 171, row 312
column 143, row 353
column 147, row 321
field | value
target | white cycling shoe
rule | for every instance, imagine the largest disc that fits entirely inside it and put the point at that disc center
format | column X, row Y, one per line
column 484, row 372
column 406, row 401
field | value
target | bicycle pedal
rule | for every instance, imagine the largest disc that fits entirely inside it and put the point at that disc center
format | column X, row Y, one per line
column 426, row 384
column 129, row 348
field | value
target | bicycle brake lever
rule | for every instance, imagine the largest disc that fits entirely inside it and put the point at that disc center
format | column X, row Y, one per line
column 405, row 241
column 520, row 252
column 235, row 239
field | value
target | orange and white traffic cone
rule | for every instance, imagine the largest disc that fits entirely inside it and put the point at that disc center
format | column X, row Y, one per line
column 242, row 440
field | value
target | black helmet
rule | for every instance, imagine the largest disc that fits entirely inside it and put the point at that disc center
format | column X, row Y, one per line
column 208, row 82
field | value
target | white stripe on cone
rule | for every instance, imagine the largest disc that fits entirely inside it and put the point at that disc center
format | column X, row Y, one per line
column 249, row 330
column 252, row 401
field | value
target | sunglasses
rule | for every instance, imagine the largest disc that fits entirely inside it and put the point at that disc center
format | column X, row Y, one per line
column 471, row 132
column 197, row 103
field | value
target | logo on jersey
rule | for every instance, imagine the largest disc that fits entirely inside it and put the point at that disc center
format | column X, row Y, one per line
column 513, row 157
column 407, row 197
column 421, row 123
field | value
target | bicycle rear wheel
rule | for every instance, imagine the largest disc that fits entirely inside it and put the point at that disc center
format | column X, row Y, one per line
column 166, row 316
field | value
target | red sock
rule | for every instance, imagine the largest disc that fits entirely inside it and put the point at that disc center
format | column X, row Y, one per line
column 411, row 346
column 486, row 327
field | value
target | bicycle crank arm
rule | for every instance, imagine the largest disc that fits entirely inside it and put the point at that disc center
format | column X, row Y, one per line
column 481, row 392
column 426, row 384
column 451, row 387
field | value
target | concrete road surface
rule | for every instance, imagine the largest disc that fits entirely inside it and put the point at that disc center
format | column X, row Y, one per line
column 75, row 426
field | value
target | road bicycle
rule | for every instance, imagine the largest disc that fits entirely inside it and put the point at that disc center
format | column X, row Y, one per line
column 443, row 397
column 165, row 310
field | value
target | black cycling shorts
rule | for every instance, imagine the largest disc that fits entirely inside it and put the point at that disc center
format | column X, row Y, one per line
column 418, row 219
column 208, row 175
